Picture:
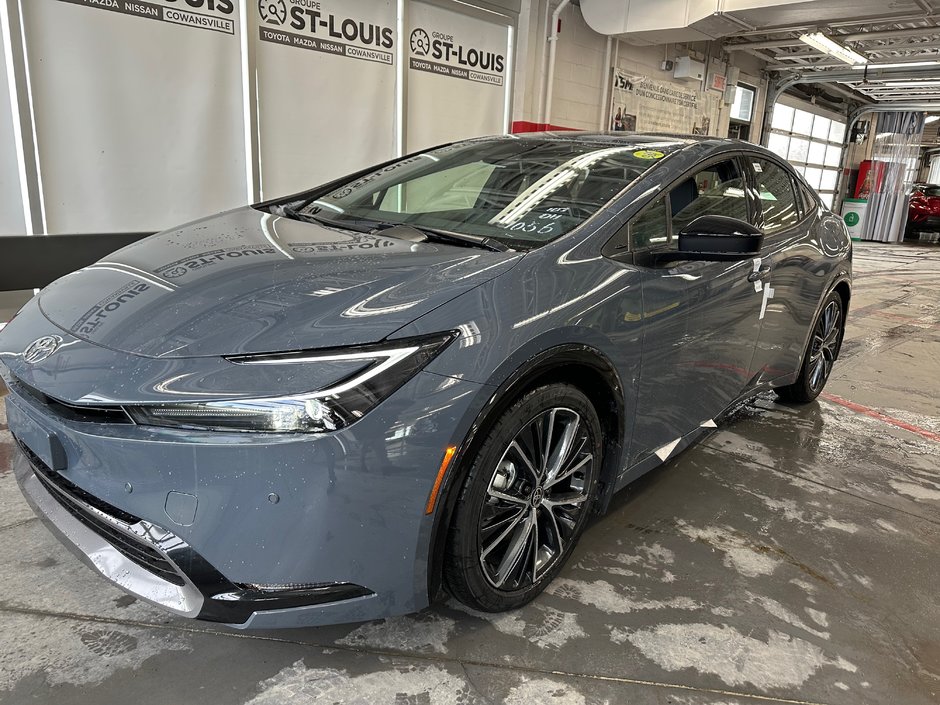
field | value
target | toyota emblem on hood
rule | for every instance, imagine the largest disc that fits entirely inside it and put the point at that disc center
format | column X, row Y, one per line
column 41, row 348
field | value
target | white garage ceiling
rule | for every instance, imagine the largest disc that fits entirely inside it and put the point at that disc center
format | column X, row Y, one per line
column 900, row 38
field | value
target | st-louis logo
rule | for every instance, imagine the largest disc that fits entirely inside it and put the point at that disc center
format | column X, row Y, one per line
column 272, row 11
column 420, row 42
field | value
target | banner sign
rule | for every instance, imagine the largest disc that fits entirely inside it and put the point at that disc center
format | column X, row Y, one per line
column 325, row 80
column 306, row 24
column 214, row 15
column 139, row 111
column 454, row 60
column 646, row 105
column 445, row 45
column 12, row 216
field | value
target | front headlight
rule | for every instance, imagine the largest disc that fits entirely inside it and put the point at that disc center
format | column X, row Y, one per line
column 387, row 367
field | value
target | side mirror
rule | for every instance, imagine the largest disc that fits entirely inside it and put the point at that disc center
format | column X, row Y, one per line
column 719, row 238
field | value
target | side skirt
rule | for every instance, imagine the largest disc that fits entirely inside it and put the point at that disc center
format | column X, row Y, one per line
column 670, row 451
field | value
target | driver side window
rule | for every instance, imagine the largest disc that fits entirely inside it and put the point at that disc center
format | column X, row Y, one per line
column 718, row 189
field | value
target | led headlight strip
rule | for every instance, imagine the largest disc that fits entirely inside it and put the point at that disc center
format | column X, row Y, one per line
column 388, row 367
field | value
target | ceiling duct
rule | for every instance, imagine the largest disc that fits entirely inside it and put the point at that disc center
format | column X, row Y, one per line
column 648, row 22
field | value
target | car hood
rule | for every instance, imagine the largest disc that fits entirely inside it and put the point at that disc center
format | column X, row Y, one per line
column 251, row 282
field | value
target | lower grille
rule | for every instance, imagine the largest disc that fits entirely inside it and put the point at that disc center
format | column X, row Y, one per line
column 131, row 547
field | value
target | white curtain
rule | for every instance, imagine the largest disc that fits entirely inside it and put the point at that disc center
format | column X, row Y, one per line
column 897, row 148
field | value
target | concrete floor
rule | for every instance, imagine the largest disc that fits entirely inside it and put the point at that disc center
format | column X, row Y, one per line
column 792, row 557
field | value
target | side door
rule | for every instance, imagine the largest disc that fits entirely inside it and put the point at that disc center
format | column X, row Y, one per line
column 789, row 219
column 700, row 320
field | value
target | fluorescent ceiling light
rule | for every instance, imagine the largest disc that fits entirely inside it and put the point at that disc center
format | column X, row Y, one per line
column 820, row 41
column 910, row 84
column 901, row 65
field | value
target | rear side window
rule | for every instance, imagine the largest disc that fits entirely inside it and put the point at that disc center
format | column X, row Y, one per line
column 809, row 200
column 777, row 199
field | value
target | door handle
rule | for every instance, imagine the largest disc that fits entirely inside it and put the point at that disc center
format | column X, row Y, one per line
column 759, row 274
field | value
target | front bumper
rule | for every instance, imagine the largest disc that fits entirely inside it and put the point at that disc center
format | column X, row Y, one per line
column 286, row 529
column 144, row 559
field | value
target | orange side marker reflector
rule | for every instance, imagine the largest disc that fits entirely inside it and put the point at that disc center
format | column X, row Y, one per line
column 432, row 500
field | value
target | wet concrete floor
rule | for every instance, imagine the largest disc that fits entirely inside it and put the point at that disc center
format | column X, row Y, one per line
column 792, row 557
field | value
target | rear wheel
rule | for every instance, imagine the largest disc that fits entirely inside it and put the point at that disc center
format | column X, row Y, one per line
column 824, row 346
column 526, row 500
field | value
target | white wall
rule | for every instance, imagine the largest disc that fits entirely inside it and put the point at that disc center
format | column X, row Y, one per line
column 580, row 72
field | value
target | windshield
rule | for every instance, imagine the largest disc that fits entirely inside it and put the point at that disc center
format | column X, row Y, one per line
column 520, row 192
column 929, row 190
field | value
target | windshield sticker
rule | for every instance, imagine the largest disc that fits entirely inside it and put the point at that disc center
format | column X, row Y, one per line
column 649, row 154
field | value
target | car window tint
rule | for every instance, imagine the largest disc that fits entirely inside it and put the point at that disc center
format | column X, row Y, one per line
column 650, row 228
column 777, row 200
column 715, row 190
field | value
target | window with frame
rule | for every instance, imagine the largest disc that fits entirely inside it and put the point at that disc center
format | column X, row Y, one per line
column 718, row 189
column 811, row 143
column 742, row 112
column 778, row 202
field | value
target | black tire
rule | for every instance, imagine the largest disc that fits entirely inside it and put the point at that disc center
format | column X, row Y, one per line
column 825, row 342
column 492, row 561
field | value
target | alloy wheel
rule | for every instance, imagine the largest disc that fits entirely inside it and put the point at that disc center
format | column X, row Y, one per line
column 535, row 499
column 827, row 338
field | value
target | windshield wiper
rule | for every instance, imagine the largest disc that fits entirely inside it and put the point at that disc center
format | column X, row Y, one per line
column 366, row 225
column 463, row 239
column 360, row 226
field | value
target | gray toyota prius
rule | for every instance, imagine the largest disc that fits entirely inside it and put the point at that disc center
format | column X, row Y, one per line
column 428, row 375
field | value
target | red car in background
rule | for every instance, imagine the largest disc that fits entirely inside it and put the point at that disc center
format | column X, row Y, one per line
column 924, row 210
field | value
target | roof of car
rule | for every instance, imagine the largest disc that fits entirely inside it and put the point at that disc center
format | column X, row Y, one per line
column 610, row 136
column 665, row 139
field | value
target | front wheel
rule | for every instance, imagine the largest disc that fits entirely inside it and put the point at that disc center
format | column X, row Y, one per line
column 822, row 352
column 526, row 500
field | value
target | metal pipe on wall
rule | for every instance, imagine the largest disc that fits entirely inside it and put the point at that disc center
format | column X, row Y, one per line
column 605, row 92
column 550, row 78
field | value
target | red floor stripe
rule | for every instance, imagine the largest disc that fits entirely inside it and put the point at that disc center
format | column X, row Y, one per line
column 875, row 414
